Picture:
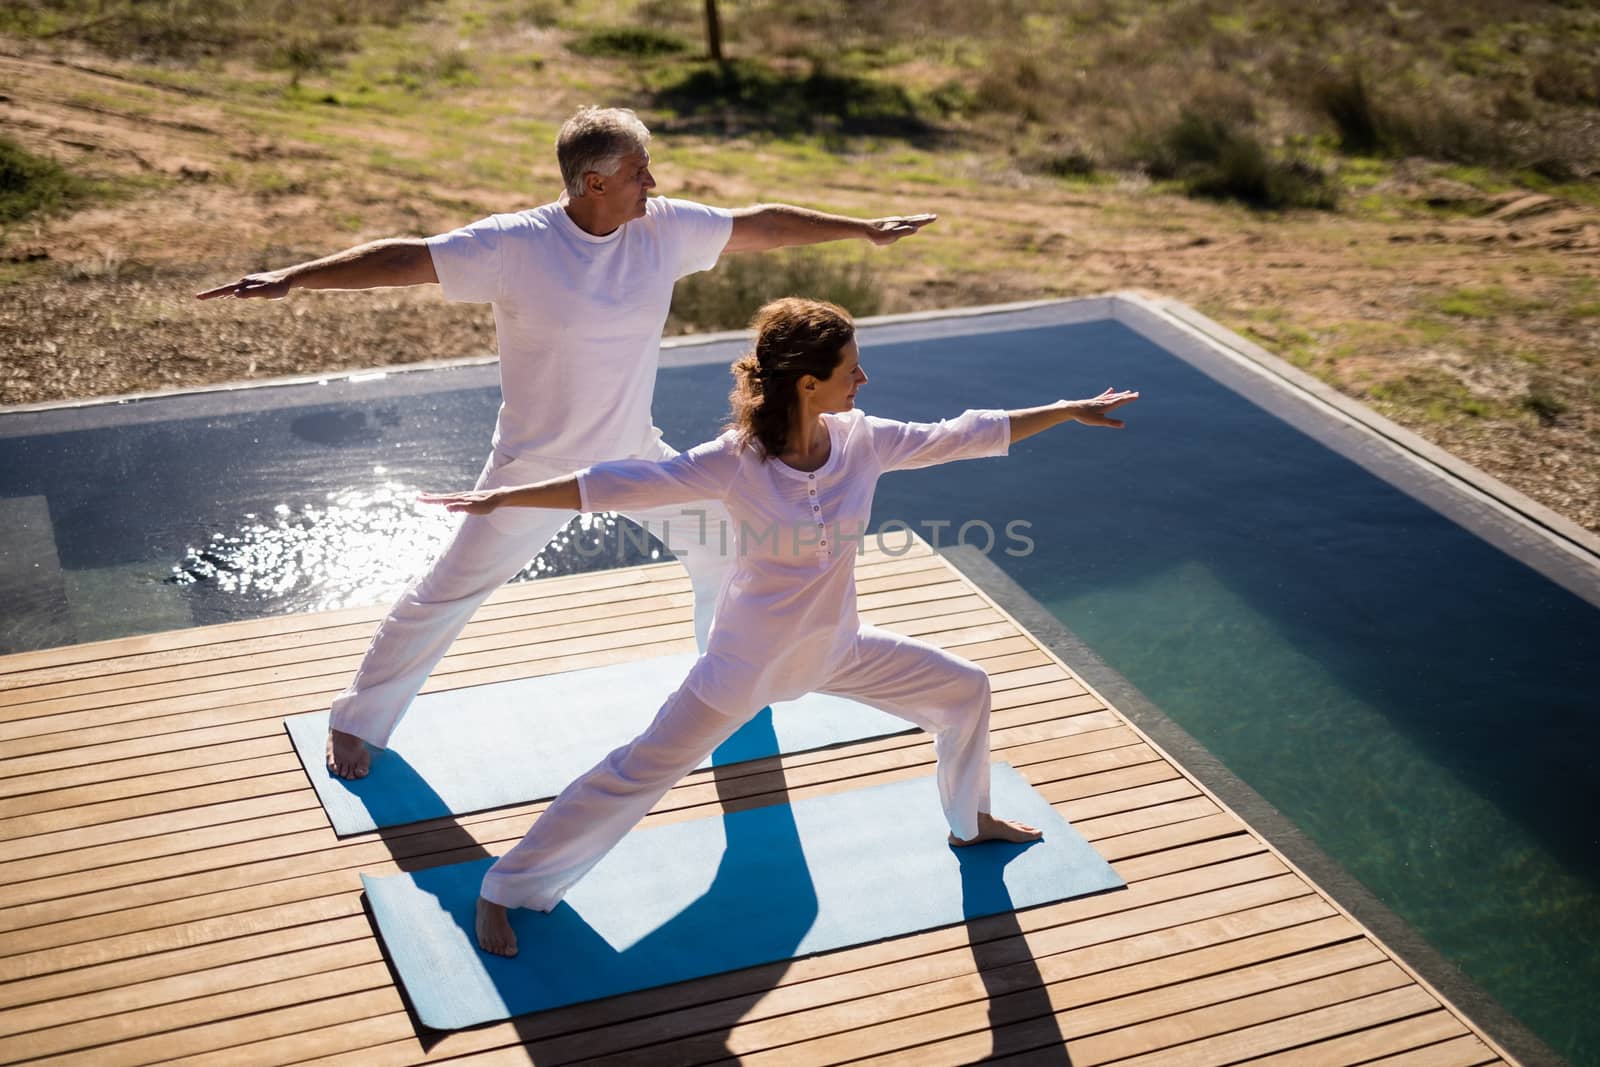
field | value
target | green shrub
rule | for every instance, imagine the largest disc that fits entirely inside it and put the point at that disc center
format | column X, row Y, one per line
column 745, row 94
column 441, row 65
column 1345, row 101
column 1456, row 131
column 1014, row 83
column 727, row 298
column 1544, row 404
column 1215, row 157
column 629, row 42
column 1564, row 78
column 31, row 184
column 951, row 98
column 1065, row 163
column 1060, row 156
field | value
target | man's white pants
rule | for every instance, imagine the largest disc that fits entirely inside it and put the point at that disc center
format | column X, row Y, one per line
column 940, row 692
column 484, row 553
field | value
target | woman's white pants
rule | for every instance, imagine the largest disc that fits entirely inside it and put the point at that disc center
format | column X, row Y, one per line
column 484, row 553
column 936, row 690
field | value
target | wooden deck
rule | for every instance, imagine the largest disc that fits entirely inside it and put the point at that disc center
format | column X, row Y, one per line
column 172, row 890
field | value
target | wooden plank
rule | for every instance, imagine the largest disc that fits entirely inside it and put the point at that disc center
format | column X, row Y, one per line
column 1029, row 746
column 230, row 662
column 86, row 992
column 1130, row 799
column 524, row 616
column 856, row 1015
column 1130, row 998
column 232, row 1033
column 248, row 704
column 1155, row 1040
column 1091, row 785
column 56, row 955
column 189, row 1000
column 182, row 759
column 1244, row 869
column 109, row 702
column 58, row 809
column 101, row 976
column 334, row 893
column 797, row 985
column 1400, row 1041
column 112, row 703
column 1461, row 1052
column 51, row 820
column 1292, row 1019
column 1261, row 933
column 692, row 799
column 132, row 778
column 139, row 850
column 93, row 794
column 1187, row 832
column 20, row 668
column 309, row 964
column 1062, row 727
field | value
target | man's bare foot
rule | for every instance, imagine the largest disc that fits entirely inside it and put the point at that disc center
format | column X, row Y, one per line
column 347, row 755
column 993, row 829
column 494, row 929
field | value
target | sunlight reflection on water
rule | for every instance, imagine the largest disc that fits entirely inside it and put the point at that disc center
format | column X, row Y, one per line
column 365, row 545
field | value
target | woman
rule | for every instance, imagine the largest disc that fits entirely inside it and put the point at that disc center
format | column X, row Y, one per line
column 797, row 468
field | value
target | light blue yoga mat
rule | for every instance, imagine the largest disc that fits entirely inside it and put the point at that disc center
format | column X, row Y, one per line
column 490, row 745
column 695, row 898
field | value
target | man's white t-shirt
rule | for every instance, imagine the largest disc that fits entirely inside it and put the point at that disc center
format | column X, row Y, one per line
column 578, row 318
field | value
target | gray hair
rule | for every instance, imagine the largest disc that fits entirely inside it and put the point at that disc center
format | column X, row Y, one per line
column 596, row 139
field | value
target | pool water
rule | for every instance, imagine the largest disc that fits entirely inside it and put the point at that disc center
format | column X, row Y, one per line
column 1422, row 705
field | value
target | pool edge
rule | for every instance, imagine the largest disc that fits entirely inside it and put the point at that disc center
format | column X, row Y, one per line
column 1504, row 1032
column 1430, row 457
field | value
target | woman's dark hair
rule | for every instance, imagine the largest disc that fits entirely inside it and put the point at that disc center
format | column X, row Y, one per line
column 794, row 337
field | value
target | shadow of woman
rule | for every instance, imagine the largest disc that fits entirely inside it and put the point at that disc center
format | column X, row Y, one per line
column 1022, row 1021
column 761, row 863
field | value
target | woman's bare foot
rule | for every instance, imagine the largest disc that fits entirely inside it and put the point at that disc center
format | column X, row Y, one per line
column 494, row 929
column 347, row 755
column 993, row 829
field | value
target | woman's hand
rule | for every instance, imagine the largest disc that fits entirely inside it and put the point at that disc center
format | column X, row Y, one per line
column 473, row 502
column 1096, row 411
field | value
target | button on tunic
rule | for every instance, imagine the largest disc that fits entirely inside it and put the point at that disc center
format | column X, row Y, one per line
column 787, row 614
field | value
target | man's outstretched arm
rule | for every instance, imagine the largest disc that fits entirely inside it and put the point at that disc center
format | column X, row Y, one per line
column 767, row 226
column 396, row 261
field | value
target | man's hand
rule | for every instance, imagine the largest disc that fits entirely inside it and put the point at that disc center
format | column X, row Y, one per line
column 888, row 231
column 268, row 285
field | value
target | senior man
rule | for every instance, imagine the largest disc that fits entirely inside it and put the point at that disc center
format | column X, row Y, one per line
column 581, row 289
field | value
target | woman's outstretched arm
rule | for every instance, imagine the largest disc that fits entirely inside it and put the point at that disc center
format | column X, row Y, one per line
column 1095, row 411
column 559, row 493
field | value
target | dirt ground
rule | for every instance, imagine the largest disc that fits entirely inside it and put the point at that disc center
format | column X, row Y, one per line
column 100, row 302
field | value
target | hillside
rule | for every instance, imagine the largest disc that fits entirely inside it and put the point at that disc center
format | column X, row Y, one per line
column 1403, row 204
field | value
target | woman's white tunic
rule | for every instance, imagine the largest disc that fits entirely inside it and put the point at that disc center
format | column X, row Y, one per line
column 787, row 614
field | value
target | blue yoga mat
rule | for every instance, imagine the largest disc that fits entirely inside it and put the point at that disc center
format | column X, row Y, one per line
column 490, row 745
column 695, row 898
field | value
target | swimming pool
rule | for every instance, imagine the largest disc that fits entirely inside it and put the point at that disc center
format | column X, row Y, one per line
column 1390, row 654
